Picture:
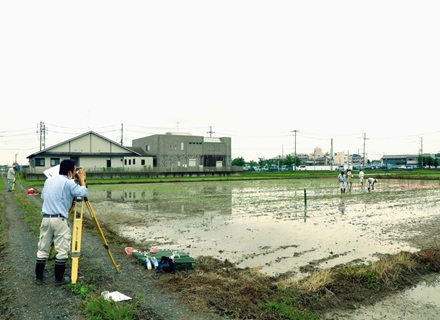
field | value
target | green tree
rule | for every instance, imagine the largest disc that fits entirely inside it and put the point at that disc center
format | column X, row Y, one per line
column 289, row 161
column 261, row 162
column 253, row 164
column 238, row 162
column 296, row 161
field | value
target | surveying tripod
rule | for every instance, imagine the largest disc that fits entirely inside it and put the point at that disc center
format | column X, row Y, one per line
column 77, row 234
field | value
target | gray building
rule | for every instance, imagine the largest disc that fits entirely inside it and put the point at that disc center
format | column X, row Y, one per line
column 405, row 159
column 183, row 150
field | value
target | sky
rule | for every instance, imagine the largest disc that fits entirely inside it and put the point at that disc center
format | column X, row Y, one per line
column 343, row 76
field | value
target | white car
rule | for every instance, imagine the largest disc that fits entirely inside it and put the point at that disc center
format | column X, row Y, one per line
column 301, row 168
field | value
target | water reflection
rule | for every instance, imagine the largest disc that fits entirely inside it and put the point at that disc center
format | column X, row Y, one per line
column 341, row 206
column 255, row 223
column 171, row 200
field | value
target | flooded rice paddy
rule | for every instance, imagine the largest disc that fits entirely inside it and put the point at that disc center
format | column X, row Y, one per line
column 283, row 226
column 276, row 225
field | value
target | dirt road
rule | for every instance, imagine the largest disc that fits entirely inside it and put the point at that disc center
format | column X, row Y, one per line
column 26, row 300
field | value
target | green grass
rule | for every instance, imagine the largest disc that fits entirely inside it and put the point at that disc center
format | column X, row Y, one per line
column 94, row 306
column 31, row 213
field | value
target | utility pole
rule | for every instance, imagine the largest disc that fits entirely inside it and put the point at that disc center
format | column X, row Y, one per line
column 331, row 154
column 210, row 131
column 363, row 160
column 295, row 131
column 42, row 131
column 122, row 134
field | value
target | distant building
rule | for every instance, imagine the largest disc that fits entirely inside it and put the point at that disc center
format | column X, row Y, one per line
column 339, row 158
column 399, row 160
column 89, row 150
column 183, row 150
column 162, row 151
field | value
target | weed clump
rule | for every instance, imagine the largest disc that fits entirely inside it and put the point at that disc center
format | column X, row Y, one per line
column 252, row 295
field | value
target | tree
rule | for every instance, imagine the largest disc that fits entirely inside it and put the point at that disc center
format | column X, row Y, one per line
column 289, row 160
column 296, row 161
column 238, row 162
column 253, row 164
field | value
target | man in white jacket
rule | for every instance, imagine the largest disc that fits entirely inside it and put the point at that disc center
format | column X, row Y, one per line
column 11, row 176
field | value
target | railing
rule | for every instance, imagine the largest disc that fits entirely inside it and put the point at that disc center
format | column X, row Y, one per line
column 124, row 173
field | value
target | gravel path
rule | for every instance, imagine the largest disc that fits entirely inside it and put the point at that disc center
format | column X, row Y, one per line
column 30, row 301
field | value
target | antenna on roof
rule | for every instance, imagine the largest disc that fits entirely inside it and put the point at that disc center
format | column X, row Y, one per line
column 210, row 132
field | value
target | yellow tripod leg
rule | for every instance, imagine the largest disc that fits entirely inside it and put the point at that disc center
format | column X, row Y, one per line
column 76, row 240
column 101, row 234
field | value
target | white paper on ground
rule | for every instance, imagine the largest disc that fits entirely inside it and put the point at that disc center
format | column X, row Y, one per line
column 117, row 296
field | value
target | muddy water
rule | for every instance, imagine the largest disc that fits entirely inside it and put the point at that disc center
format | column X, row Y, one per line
column 277, row 226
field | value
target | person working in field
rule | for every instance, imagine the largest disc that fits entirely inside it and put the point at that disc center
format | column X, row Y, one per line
column 11, row 176
column 341, row 180
column 371, row 182
column 349, row 179
column 361, row 178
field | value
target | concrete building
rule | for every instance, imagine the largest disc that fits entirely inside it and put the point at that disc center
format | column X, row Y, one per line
column 183, row 150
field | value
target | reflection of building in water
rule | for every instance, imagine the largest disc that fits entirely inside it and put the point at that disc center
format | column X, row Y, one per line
column 196, row 198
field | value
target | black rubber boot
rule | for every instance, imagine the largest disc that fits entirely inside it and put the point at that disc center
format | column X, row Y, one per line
column 60, row 267
column 39, row 270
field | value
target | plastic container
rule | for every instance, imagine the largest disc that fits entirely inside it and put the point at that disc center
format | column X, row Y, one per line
column 148, row 263
column 155, row 263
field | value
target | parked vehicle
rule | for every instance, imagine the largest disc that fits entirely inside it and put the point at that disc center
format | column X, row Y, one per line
column 340, row 167
column 301, row 168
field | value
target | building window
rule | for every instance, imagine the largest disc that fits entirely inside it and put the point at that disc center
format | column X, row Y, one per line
column 134, row 161
column 125, row 161
column 54, row 162
column 129, row 162
column 182, row 146
column 143, row 162
column 40, row 162
column 147, row 148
